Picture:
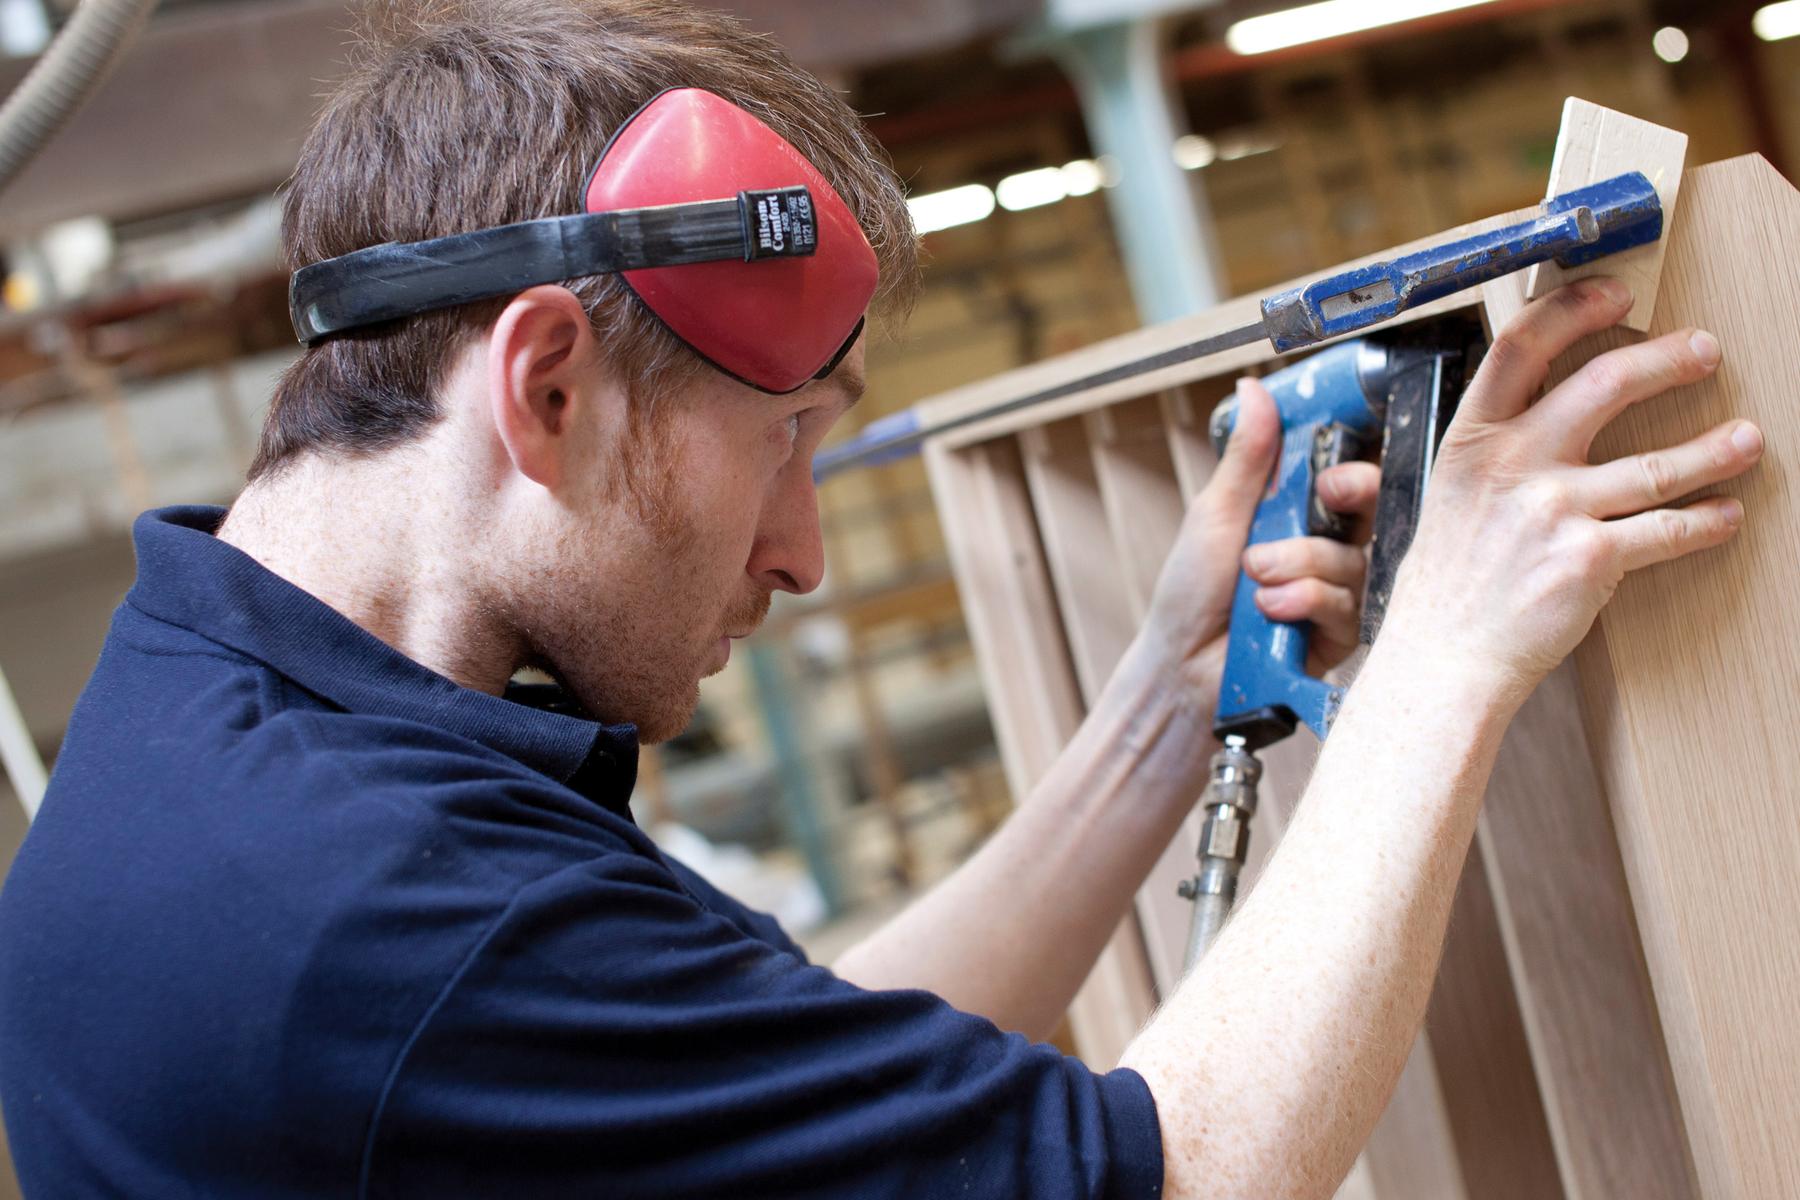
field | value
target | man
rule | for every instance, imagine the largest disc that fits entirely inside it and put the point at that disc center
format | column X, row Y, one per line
column 316, row 906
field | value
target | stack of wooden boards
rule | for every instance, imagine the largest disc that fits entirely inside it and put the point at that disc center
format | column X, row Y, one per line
column 1616, row 1011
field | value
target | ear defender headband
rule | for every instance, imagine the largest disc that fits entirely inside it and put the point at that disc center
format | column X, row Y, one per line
column 724, row 231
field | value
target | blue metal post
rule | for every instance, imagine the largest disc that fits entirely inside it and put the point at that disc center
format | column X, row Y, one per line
column 1160, row 215
column 799, row 771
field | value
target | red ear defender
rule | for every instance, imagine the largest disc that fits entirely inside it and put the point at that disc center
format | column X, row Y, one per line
column 773, row 324
column 724, row 231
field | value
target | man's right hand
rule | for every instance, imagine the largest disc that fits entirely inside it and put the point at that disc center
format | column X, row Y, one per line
column 1521, row 541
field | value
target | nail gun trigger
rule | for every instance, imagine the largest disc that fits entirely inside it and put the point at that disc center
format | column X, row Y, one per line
column 1332, row 444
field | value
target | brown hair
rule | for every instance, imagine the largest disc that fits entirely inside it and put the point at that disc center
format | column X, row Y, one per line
column 463, row 114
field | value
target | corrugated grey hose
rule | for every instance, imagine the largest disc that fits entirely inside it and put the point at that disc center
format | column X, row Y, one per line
column 64, row 77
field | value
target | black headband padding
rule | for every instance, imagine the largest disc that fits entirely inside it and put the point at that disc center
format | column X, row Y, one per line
column 400, row 279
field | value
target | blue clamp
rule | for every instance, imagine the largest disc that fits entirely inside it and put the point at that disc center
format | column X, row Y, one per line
column 883, row 440
column 1573, row 228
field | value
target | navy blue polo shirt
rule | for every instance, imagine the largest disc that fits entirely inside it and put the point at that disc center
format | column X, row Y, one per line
column 300, row 917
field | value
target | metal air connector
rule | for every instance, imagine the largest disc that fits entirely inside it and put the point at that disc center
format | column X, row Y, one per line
column 1224, row 842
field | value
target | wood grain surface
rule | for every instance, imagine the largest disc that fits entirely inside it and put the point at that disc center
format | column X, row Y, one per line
column 1691, row 686
column 1016, row 627
column 1547, row 845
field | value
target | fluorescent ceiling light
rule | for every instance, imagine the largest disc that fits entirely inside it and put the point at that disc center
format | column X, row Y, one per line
column 1192, row 152
column 1244, row 144
column 1082, row 177
column 953, row 206
column 24, row 29
column 1776, row 21
column 1332, row 18
column 1031, row 189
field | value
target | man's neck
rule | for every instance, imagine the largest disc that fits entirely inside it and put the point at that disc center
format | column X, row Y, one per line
column 368, row 537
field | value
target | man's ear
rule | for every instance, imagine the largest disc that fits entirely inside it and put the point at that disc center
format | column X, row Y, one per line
column 542, row 379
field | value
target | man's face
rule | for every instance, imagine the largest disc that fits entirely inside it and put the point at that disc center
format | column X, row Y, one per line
column 644, row 596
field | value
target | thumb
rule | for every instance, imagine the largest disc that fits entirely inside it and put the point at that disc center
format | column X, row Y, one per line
column 1236, row 487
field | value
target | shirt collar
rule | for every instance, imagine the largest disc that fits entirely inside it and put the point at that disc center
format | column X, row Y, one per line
column 189, row 578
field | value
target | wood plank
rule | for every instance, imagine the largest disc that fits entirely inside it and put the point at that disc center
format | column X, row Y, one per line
column 1483, row 1062
column 1144, row 508
column 1186, row 411
column 1097, row 614
column 1548, row 848
column 1016, row 628
column 1142, row 498
column 1692, row 696
column 1572, row 941
column 1014, row 624
column 1598, row 143
column 1412, row 1154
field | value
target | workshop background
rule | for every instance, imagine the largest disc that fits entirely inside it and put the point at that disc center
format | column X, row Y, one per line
column 844, row 759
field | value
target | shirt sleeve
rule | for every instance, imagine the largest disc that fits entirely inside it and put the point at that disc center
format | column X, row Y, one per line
column 610, row 1036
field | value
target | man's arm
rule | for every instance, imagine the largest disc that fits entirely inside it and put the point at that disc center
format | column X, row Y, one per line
column 1015, row 930
column 1272, row 1062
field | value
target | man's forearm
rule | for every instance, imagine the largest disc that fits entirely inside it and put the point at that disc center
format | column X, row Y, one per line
column 1272, row 1062
column 1015, row 930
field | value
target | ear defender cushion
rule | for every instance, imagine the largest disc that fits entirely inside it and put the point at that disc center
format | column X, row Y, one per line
column 773, row 323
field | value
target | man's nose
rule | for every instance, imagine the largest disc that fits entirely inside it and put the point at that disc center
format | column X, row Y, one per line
column 789, row 553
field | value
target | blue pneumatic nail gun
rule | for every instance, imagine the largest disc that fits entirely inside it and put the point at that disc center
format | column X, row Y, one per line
column 1397, row 395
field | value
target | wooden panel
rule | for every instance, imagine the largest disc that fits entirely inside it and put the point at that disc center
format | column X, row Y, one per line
column 1097, row 614
column 1596, row 144
column 1143, row 500
column 1552, row 860
column 1144, row 508
column 1014, row 623
column 1412, row 1153
column 1016, row 628
column 1692, row 699
column 1185, row 414
column 1099, row 618
column 1484, row 1067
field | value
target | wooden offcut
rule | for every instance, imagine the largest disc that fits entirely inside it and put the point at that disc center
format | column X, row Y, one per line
column 1597, row 144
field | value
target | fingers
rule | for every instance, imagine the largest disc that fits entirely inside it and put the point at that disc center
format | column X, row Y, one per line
column 1229, row 499
column 1582, row 405
column 1350, row 488
column 1520, row 356
column 1272, row 563
column 1667, row 533
column 1641, row 481
column 1334, row 610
